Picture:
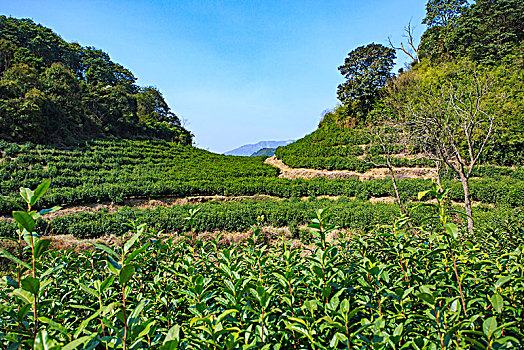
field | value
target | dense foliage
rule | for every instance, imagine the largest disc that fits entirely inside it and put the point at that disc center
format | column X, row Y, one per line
column 351, row 214
column 400, row 286
column 486, row 32
column 366, row 70
column 52, row 91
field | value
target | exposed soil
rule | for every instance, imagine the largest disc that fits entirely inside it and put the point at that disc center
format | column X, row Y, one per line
column 144, row 203
column 268, row 234
column 372, row 174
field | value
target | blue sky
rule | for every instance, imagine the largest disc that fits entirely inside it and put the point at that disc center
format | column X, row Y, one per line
column 236, row 71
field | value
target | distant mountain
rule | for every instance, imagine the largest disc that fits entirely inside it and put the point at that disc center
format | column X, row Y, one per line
column 248, row 150
column 270, row 152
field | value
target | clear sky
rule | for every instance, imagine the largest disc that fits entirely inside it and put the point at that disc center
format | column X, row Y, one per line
column 236, row 71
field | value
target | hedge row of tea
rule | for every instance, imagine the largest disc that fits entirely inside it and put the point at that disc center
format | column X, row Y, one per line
column 332, row 147
column 237, row 217
column 395, row 287
column 116, row 170
column 506, row 191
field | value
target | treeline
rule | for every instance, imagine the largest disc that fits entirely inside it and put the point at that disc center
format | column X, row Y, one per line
column 52, row 91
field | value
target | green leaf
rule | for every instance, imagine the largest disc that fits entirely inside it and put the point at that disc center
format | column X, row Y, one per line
column 50, row 210
column 40, row 191
column 106, row 249
column 88, row 290
column 130, row 242
column 24, row 220
column 422, row 194
column 44, row 342
column 31, row 284
column 172, row 338
column 77, row 342
column 126, row 273
column 427, row 297
column 133, row 317
column 24, row 295
column 398, row 330
column 498, row 302
column 41, row 246
column 136, row 252
column 53, row 324
column 489, row 326
column 107, row 283
column 26, row 194
column 451, row 229
column 225, row 313
column 5, row 254
column 501, row 281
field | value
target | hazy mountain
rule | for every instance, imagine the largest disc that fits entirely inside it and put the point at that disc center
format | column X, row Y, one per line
column 248, row 150
column 270, row 152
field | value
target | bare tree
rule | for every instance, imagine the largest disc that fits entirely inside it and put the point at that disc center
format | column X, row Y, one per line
column 451, row 124
column 410, row 48
column 388, row 136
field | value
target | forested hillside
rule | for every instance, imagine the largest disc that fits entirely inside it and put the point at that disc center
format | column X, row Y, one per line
column 56, row 92
column 462, row 43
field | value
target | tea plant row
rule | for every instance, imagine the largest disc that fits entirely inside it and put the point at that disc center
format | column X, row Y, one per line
column 399, row 286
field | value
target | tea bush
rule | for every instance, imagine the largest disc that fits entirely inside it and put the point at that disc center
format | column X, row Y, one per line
column 401, row 285
column 118, row 170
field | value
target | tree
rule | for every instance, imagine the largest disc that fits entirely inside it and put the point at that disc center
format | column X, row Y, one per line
column 152, row 107
column 447, row 117
column 485, row 32
column 412, row 50
column 387, row 136
column 442, row 12
column 366, row 69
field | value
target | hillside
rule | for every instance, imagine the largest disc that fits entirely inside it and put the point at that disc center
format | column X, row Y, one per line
column 397, row 224
column 451, row 73
column 55, row 92
column 248, row 150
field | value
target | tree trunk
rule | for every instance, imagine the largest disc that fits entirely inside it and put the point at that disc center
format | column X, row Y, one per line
column 439, row 180
column 467, row 201
column 397, row 193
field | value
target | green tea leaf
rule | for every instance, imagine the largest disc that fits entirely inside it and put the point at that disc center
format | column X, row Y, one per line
column 422, row 194
column 77, row 342
column 451, row 230
column 26, row 194
column 489, row 326
column 5, row 254
column 126, row 273
column 24, row 220
column 501, row 281
column 31, row 284
column 24, row 295
column 427, row 297
column 498, row 302
column 39, row 192
column 41, row 246
column 106, row 249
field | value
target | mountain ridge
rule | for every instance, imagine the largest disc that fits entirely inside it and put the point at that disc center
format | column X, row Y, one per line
column 249, row 149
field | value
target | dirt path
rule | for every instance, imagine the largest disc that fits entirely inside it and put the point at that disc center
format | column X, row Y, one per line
column 143, row 203
column 372, row 174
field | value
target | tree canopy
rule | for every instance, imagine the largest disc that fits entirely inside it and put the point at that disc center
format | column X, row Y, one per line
column 52, row 91
column 442, row 12
column 366, row 69
column 485, row 32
